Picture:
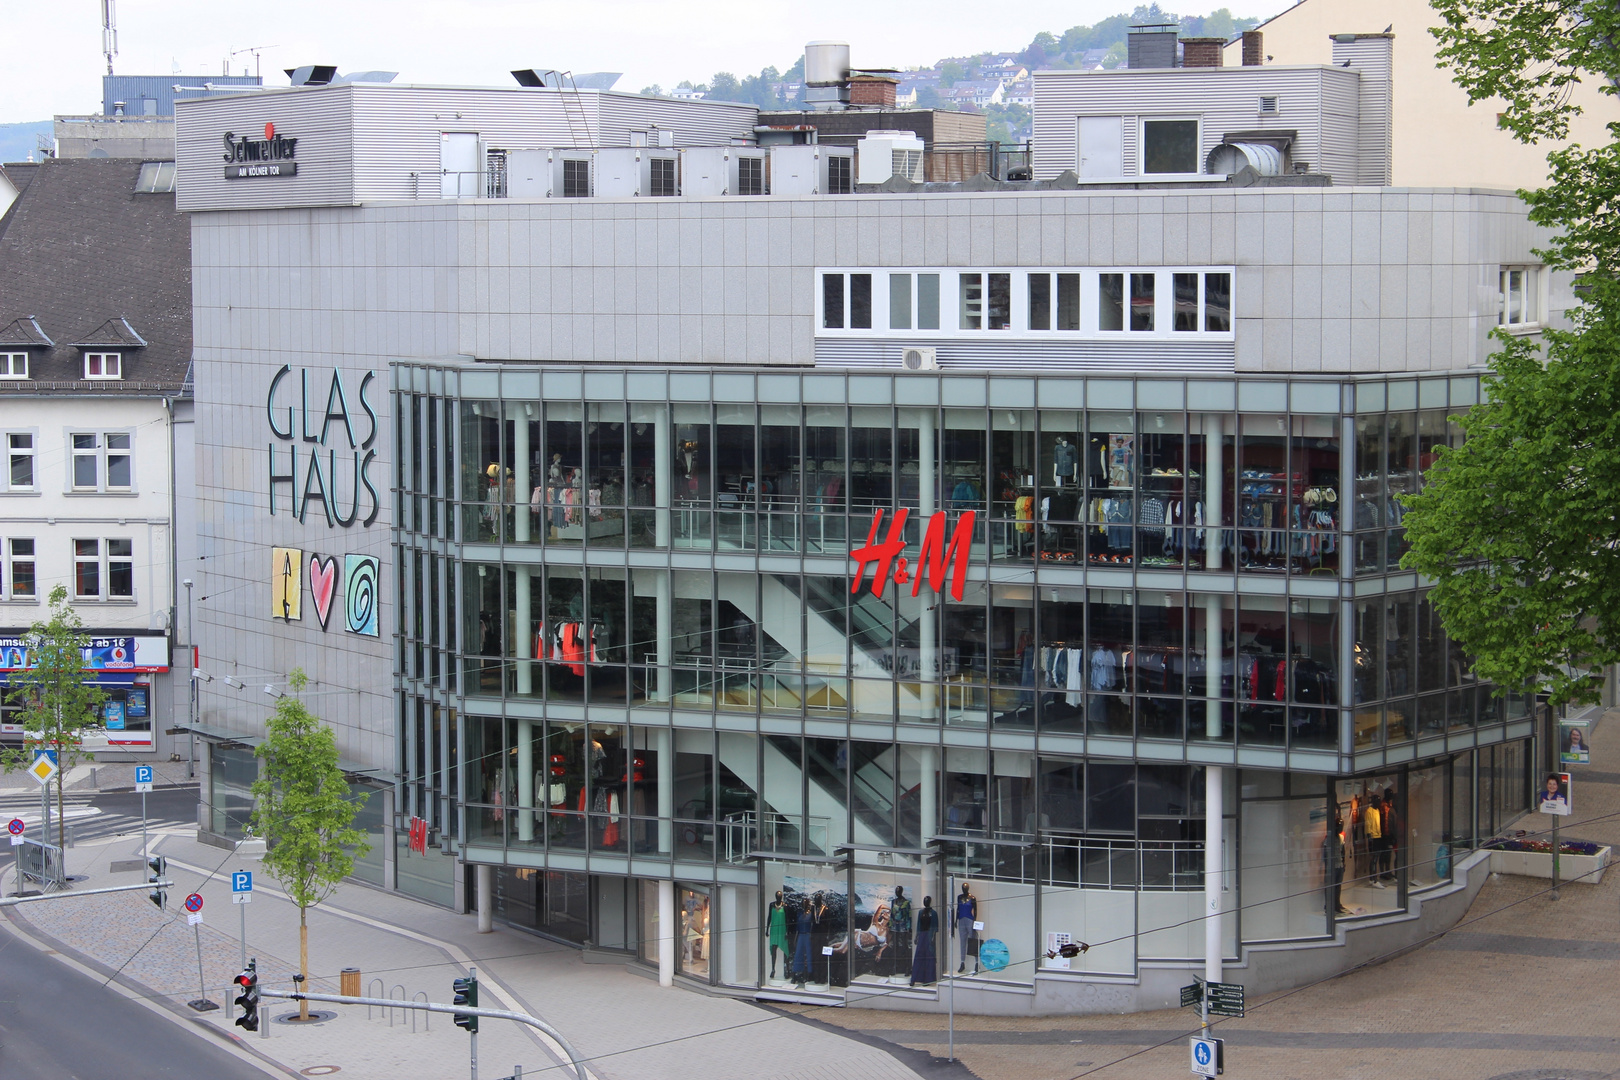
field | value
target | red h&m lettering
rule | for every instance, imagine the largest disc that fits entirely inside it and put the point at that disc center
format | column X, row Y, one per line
column 882, row 554
column 936, row 553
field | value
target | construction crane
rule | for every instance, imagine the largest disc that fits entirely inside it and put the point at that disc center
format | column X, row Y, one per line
column 109, row 31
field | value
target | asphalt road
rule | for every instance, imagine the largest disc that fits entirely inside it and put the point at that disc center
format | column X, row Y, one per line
column 59, row 1024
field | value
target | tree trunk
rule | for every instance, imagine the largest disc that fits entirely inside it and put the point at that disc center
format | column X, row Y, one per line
column 303, row 960
column 61, row 824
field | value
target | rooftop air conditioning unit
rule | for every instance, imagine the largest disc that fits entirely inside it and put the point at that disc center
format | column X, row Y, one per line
column 919, row 359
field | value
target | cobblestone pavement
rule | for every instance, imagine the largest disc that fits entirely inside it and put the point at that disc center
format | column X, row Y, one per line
column 1523, row 989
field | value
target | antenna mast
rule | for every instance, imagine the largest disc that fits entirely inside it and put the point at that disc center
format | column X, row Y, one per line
column 109, row 31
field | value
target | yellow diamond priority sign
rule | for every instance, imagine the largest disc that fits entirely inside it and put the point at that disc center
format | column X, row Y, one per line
column 43, row 769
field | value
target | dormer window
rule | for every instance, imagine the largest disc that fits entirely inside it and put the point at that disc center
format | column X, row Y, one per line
column 13, row 365
column 103, row 365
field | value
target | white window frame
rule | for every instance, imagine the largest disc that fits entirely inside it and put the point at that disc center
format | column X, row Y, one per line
column 105, row 561
column 111, row 365
column 1533, row 298
column 101, row 452
column 1019, row 329
column 14, row 365
column 1141, row 143
column 31, row 451
column 14, row 557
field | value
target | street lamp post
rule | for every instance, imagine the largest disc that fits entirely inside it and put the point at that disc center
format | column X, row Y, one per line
column 191, row 708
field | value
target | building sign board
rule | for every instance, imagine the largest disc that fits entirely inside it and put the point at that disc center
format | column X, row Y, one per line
column 247, row 158
column 326, row 473
column 888, row 558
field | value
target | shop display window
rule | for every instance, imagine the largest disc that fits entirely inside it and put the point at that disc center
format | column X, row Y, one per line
column 1376, row 842
column 1427, row 836
column 1292, row 874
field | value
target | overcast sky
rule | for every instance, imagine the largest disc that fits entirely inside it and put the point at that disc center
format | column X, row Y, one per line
column 55, row 64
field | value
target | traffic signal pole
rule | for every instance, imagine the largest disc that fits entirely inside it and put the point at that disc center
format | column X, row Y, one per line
column 574, row 1058
column 13, row 901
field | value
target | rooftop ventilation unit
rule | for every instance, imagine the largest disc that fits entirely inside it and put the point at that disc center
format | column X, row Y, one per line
column 312, row 74
column 538, row 77
column 885, row 154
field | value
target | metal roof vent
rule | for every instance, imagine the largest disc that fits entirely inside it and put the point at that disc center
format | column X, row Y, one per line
column 312, row 74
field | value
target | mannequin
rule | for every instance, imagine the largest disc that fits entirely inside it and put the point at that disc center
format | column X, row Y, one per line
column 821, row 926
column 802, row 935
column 967, row 912
column 899, row 933
column 1333, row 866
column 1064, row 458
column 923, row 964
column 776, row 922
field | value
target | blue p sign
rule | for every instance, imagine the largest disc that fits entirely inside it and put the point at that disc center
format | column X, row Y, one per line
column 143, row 778
column 242, row 881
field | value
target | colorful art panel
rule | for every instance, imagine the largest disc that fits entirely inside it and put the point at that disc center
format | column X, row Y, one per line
column 360, row 577
column 286, row 583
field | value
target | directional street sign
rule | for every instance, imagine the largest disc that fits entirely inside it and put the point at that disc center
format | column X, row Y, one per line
column 1206, row 1057
column 1191, row 994
column 1226, row 999
column 242, row 887
column 43, row 767
column 143, row 778
column 194, row 902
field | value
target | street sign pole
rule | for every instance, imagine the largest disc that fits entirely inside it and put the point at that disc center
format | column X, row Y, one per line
column 194, row 906
column 143, row 784
column 16, row 830
column 241, row 895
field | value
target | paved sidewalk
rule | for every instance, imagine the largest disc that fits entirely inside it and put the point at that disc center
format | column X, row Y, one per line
column 627, row 1026
column 1523, row 989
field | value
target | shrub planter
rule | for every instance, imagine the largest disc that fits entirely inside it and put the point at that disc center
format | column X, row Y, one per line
column 1583, row 869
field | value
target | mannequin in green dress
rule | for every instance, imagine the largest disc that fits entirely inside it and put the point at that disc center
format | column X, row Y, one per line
column 776, row 922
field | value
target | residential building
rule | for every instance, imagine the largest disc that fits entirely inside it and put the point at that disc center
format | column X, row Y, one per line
column 1437, row 139
column 95, row 409
column 656, row 552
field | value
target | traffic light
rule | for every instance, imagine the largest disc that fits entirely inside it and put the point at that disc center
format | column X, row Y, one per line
column 248, row 999
column 467, row 994
column 157, row 864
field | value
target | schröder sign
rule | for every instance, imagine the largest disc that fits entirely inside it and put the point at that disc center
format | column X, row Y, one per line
column 935, row 557
column 270, row 156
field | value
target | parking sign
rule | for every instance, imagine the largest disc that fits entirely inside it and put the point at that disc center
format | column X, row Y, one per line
column 143, row 778
column 242, row 887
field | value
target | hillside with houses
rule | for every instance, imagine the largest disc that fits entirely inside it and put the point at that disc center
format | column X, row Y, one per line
column 998, row 84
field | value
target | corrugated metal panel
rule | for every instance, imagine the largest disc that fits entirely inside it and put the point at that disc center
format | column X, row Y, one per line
column 320, row 119
column 1370, row 56
column 1227, row 99
column 884, row 354
column 1340, row 114
column 365, row 141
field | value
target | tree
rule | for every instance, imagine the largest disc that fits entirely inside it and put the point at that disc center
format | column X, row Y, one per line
column 58, row 704
column 724, row 87
column 1007, row 124
column 950, row 73
column 652, row 91
column 303, row 809
column 1518, row 527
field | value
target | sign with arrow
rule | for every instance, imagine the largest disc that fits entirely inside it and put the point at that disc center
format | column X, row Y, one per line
column 1225, row 999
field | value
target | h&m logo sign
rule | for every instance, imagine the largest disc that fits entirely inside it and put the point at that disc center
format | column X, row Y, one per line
column 312, row 479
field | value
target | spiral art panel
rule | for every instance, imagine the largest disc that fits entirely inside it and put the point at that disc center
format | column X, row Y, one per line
column 360, row 596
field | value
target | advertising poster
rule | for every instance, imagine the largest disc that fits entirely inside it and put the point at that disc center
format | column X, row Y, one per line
column 1573, row 747
column 287, row 584
column 1555, row 794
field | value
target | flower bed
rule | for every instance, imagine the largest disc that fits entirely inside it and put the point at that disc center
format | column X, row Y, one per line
column 1565, row 847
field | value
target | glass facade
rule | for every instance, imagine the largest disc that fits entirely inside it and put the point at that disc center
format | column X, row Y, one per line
column 636, row 648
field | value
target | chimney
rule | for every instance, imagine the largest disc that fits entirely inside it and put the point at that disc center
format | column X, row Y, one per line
column 1204, row 52
column 872, row 91
column 1254, row 50
column 1151, row 47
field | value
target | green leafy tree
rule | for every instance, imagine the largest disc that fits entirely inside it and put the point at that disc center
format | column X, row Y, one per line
column 303, row 809
column 652, row 91
column 1518, row 527
column 951, row 73
column 1007, row 124
column 58, row 704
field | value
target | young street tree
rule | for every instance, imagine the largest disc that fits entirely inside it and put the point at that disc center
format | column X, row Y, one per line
column 1520, row 526
column 303, row 809
column 58, row 704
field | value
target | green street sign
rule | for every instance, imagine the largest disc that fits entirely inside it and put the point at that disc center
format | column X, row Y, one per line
column 1190, row 994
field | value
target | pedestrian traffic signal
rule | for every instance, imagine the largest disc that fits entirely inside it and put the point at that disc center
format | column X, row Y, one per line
column 467, row 994
column 248, row 998
column 157, row 864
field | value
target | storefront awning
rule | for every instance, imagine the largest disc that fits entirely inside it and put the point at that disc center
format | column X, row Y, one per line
column 225, row 736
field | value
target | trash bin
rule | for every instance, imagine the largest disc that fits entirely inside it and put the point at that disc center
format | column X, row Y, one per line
column 349, row 982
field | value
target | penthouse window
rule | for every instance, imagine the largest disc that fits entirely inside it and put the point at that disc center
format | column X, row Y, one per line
column 1171, row 303
column 1170, row 146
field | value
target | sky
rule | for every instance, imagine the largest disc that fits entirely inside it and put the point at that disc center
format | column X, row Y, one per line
column 56, row 64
